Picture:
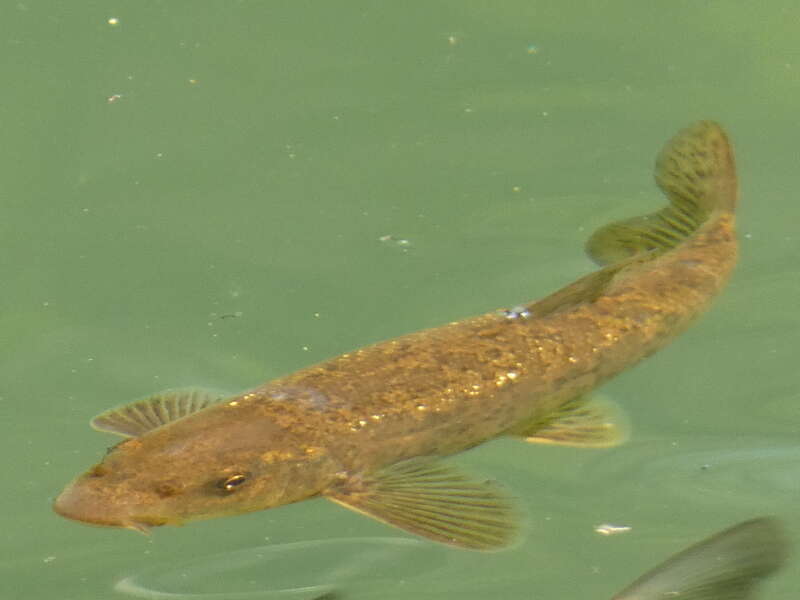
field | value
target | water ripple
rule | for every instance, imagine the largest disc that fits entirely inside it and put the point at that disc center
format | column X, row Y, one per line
column 282, row 571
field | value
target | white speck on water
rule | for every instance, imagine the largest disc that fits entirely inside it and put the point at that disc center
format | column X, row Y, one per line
column 402, row 243
column 609, row 529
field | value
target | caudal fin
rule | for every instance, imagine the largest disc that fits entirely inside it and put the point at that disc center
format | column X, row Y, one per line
column 696, row 171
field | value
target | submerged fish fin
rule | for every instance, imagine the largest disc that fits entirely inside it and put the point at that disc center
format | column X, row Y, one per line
column 586, row 289
column 725, row 566
column 141, row 416
column 582, row 423
column 696, row 171
column 433, row 500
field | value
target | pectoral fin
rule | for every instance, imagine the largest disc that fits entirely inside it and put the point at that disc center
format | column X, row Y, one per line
column 594, row 423
column 141, row 416
column 432, row 500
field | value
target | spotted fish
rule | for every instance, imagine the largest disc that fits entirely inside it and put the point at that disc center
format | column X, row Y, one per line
column 369, row 429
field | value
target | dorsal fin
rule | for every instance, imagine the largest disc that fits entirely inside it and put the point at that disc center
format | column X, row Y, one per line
column 146, row 414
column 696, row 171
column 586, row 289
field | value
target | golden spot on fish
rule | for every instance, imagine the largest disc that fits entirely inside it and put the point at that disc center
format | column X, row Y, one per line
column 572, row 359
column 233, row 403
column 504, row 378
column 472, row 390
column 276, row 456
column 357, row 425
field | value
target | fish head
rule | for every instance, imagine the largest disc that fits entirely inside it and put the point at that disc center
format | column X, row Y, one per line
column 207, row 465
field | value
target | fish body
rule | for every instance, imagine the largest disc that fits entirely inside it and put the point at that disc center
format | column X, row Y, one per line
column 365, row 428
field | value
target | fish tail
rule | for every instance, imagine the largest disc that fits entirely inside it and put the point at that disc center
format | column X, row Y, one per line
column 697, row 173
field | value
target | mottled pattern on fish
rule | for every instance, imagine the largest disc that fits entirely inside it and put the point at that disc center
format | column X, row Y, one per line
column 364, row 429
column 443, row 390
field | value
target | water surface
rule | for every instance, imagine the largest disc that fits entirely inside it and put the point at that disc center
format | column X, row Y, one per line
column 215, row 194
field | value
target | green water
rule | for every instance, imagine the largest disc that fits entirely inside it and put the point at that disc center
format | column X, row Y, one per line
column 336, row 173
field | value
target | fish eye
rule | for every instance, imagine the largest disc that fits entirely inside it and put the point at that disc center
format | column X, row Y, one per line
column 231, row 483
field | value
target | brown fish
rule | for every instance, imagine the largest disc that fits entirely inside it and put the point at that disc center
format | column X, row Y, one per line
column 366, row 429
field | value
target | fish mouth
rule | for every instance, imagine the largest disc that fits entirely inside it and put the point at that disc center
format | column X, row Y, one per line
column 78, row 503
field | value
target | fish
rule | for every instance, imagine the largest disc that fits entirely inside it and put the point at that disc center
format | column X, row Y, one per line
column 371, row 429
column 729, row 565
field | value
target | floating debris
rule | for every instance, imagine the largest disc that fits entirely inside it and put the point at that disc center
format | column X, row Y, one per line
column 609, row 529
column 402, row 243
column 233, row 315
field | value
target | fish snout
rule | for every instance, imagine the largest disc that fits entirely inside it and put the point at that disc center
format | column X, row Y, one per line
column 86, row 501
